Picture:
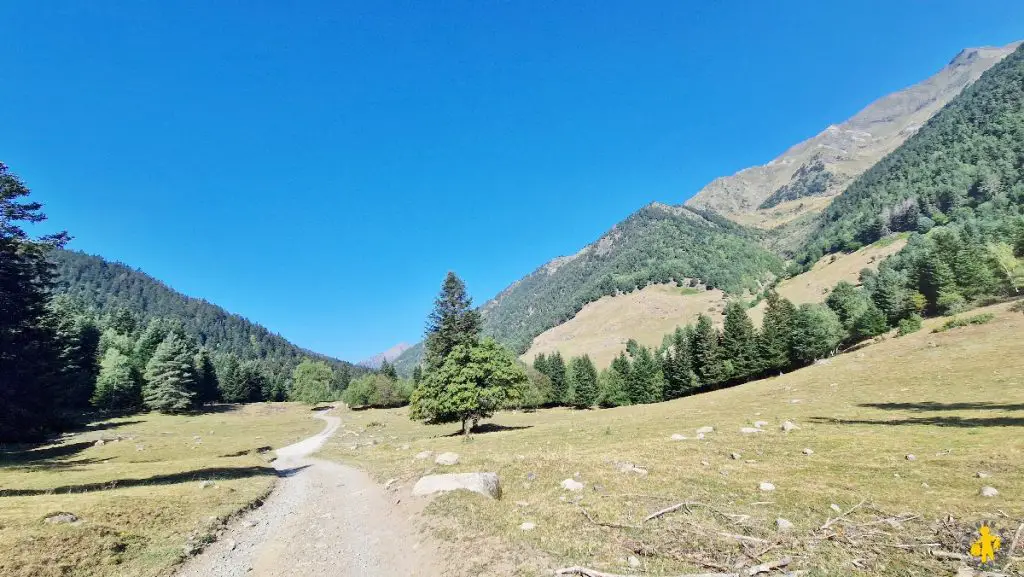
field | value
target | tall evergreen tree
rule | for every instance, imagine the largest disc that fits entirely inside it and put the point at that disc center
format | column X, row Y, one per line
column 739, row 342
column 207, row 385
column 388, row 370
column 707, row 357
column 77, row 342
column 677, row 364
column 119, row 385
column 644, row 384
column 170, row 379
column 559, row 379
column 27, row 347
column 935, row 279
column 816, row 333
column 583, row 382
column 889, row 293
column 540, row 362
column 453, row 322
column 417, row 374
column 847, row 302
column 773, row 341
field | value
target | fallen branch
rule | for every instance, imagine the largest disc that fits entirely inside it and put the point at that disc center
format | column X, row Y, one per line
column 829, row 522
column 667, row 510
column 757, row 540
column 750, row 572
column 940, row 554
column 1013, row 545
column 602, row 524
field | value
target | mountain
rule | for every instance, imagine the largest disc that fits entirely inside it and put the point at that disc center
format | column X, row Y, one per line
column 805, row 177
column 104, row 287
column 389, row 355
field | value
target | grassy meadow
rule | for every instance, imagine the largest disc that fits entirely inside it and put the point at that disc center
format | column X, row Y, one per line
column 954, row 400
column 139, row 496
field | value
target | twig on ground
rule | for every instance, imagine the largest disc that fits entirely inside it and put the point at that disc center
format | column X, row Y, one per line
column 1013, row 545
column 755, row 570
column 757, row 540
column 676, row 507
column 602, row 524
column 829, row 522
column 940, row 554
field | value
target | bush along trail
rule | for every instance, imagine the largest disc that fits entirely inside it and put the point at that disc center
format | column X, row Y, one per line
column 322, row 519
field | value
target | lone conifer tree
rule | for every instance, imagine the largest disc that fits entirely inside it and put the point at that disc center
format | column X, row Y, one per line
column 118, row 384
column 453, row 322
column 559, row 379
column 707, row 358
column 739, row 342
column 583, row 382
column 171, row 377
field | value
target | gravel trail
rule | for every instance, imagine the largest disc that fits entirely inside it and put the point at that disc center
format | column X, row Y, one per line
column 322, row 519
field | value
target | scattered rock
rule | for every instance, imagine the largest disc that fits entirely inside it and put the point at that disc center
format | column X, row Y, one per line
column 750, row 462
column 808, row 452
column 531, row 476
column 206, row 484
column 987, row 491
column 249, row 523
column 528, row 526
column 700, row 436
column 835, row 508
column 522, row 503
column 911, row 457
column 633, row 561
column 99, row 443
column 447, row 459
column 705, row 430
column 404, row 447
column 749, row 430
column 784, row 525
column 423, row 455
column 677, row 437
column 734, row 456
column 925, row 486
column 140, row 447
column 766, row 486
column 760, row 424
column 389, row 482
column 631, row 468
column 982, row 475
column 572, row 485
column 705, row 462
column 486, row 484
column 61, row 518
column 788, row 426
column 795, row 401
column 229, row 544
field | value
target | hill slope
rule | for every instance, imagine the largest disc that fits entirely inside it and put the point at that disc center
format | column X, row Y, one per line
column 824, row 165
column 389, row 355
column 107, row 286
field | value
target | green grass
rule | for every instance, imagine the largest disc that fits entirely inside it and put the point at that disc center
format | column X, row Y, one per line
column 138, row 496
column 883, row 242
column 689, row 290
column 958, row 322
column 954, row 400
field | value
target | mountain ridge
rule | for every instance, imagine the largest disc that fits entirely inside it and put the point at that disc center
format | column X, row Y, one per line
column 389, row 355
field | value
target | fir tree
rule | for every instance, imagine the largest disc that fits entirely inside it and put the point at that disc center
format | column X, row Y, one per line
column 707, row 358
column 559, row 380
column 453, row 322
column 870, row 323
column 207, row 386
column 170, row 379
column 847, row 302
column 676, row 364
column 417, row 374
column 612, row 388
column 739, row 342
column 388, row 370
column 644, row 382
column 816, row 333
column 773, row 341
column 583, row 382
column 119, row 385
column 935, row 278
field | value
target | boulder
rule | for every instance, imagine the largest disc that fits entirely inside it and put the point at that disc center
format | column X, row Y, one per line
column 486, row 484
column 835, row 508
column 766, row 486
column 911, row 457
column 705, row 430
column 987, row 491
column 99, row 443
column 808, row 452
column 61, row 518
column 447, row 459
column 788, row 426
column 633, row 562
column 784, row 525
column 572, row 485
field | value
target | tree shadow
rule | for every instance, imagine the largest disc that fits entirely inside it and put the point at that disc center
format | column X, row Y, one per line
column 932, row 406
column 488, row 428
column 102, row 426
column 214, row 408
column 929, row 421
column 208, row 474
column 33, row 455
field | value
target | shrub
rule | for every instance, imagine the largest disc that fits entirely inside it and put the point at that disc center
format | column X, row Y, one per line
column 958, row 322
column 911, row 324
column 377, row 390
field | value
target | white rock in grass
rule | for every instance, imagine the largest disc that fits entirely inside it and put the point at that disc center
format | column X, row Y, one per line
column 677, row 437
column 835, row 508
column 808, row 452
column 911, row 457
column 423, row 455
column 760, row 424
column 734, row 456
column 766, row 486
column 783, row 525
column 528, row 526
column 206, row 484
column 447, row 459
column 633, row 561
column 788, row 426
column 61, row 518
column 750, row 430
column 987, row 491
column 486, row 484
column 705, row 430
column 572, row 485
column 631, row 468
column 982, row 475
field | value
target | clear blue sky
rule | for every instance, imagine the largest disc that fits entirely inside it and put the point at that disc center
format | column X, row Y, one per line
column 319, row 166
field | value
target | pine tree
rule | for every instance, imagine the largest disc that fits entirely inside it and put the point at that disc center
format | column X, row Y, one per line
column 232, row 390
column 583, row 382
column 644, row 384
column 254, row 382
column 417, row 374
column 77, row 340
column 889, row 293
column 119, row 385
column 207, row 386
column 739, row 342
column 773, row 341
column 612, row 385
column 870, row 323
column 935, row 279
column 707, row 358
column 847, row 302
column 676, row 364
column 540, row 362
column 816, row 333
column 170, row 379
column 559, row 379
column 154, row 334
column 453, row 322
column 388, row 370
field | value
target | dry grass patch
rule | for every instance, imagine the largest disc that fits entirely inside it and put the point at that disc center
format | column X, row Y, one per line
column 954, row 400
column 139, row 496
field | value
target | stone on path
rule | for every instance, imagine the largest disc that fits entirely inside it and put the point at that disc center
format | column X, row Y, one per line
column 423, row 455
column 572, row 485
column 987, row 491
column 705, row 430
column 750, row 430
column 788, row 426
column 766, row 486
column 486, row 484
column 447, row 459
column 99, row 443
column 528, row 526
column 61, row 518
column 783, row 525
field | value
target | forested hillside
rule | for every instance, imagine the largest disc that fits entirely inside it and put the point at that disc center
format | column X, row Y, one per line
column 105, row 287
column 963, row 166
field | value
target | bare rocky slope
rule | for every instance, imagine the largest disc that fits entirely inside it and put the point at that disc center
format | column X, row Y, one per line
column 389, row 355
column 822, row 166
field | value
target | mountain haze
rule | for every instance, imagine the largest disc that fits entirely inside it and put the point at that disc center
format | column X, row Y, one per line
column 824, row 165
column 389, row 355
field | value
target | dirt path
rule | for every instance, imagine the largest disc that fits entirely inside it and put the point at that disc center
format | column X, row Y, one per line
column 322, row 519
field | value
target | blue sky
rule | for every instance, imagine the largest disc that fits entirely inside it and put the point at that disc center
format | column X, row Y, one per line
column 318, row 168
